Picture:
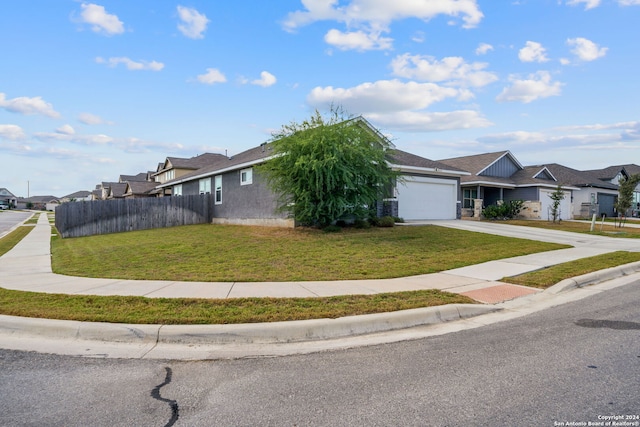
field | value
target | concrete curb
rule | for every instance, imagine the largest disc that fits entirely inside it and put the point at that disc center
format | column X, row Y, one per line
column 256, row 333
column 593, row 278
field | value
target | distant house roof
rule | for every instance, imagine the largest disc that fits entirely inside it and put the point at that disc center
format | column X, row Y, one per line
column 569, row 176
column 117, row 189
column 192, row 163
column 78, row 195
column 139, row 188
column 611, row 172
column 142, row 176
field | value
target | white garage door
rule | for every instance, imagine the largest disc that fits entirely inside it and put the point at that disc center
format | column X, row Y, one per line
column 427, row 198
column 565, row 205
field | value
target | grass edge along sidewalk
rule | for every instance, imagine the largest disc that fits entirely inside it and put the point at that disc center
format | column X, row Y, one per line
column 141, row 310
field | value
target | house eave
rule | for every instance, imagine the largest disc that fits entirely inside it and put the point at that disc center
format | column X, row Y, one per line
column 429, row 171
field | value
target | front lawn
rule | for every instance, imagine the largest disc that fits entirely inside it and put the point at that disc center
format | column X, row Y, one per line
column 225, row 253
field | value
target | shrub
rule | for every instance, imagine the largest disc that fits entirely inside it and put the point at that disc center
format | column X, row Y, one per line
column 386, row 221
column 507, row 210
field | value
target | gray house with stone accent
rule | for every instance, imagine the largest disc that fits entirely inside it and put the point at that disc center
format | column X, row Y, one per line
column 425, row 190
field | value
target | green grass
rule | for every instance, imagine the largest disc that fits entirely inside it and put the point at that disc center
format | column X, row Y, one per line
column 10, row 240
column 224, row 253
column 551, row 275
column 608, row 229
column 141, row 310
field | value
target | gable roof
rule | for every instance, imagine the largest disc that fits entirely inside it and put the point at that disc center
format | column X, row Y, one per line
column 479, row 163
column 142, row 176
column 611, row 172
column 6, row 193
column 192, row 163
column 139, row 188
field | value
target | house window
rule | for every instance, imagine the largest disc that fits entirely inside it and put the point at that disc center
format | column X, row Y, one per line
column 205, row 186
column 218, row 186
column 468, row 195
column 246, row 176
column 177, row 190
column 169, row 175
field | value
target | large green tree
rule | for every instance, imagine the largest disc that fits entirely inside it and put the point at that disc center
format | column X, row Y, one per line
column 328, row 167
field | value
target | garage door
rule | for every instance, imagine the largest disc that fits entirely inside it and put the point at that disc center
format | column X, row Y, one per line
column 546, row 202
column 427, row 198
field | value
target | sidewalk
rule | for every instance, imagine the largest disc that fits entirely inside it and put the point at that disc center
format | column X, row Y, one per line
column 27, row 267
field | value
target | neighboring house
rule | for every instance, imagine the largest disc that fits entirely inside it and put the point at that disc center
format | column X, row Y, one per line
column 7, row 198
column 425, row 190
column 49, row 203
column 613, row 174
column 592, row 196
column 499, row 177
column 176, row 167
column 138, row 189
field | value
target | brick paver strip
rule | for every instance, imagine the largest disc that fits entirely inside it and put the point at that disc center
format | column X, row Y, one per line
column 499, row 293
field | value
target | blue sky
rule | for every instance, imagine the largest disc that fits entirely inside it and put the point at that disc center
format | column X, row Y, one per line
column 93, row 90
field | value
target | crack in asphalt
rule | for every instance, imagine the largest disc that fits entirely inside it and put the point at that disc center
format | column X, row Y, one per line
column 155, row 393
column 611, row 324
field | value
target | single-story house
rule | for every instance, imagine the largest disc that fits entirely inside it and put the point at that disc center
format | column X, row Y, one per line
column 49, row 203
column 499, row 177
column 613, row 174
column 591, row 196
column 425, row 190
column 7, row 198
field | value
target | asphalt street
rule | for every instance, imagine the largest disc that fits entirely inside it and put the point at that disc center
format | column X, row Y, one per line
column 10, row 219
column 574, row 363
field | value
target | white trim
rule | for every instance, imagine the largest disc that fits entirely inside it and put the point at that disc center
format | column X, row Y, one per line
column 433, row 171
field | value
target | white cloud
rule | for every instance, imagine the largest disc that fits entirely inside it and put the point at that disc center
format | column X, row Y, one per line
column 100, row 20
column 91, row 119
column 11, row 132
column 212, row 76
column 533, row 52
column 373, row 17
column 66, row 130
column 266, row 79
column 28, row 106
column 130, row 64
column 422, row 121
column 451, row 69
column 381, row 96
column 588, row 4
column 400, row 106
column 193, row 23
column 537, row 86
column 357, row 40
column 586, row 50
column 629, row 2
column 483, row 49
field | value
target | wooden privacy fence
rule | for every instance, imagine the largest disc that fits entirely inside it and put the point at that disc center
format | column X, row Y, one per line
column 77, row 219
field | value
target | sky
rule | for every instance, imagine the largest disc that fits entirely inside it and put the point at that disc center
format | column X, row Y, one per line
column 90, row 91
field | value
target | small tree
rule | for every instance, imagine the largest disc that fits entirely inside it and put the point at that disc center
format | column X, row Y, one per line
column 626, row 187
column 327, row 168
column 556, row 198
